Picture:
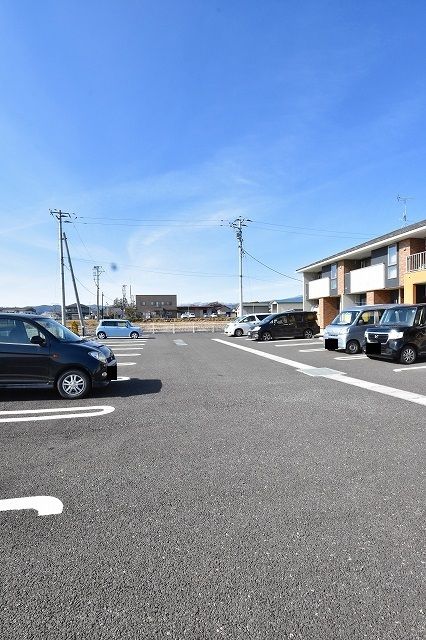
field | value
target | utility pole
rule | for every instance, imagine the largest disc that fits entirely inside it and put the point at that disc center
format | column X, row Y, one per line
column 238, row 225
column 59, row 215
column 97, row 270
column 80, row 314
column 123, row 298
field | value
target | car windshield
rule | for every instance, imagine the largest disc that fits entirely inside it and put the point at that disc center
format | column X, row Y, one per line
column 346, row 317
column 404, row 316
column 58, row 330
column 265, row 320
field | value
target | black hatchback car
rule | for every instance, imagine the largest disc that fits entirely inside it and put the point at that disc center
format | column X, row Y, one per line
column 289, row 324
column 39, row 352
column 400, row 334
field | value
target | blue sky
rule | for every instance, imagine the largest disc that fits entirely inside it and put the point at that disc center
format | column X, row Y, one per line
column 155, row 120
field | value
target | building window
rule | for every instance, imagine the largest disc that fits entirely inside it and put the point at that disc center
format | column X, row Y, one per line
column 333, row 277
column 366, row 262
column 392, row 262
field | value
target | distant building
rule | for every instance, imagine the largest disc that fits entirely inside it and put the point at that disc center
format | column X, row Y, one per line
column 157, row 306
column 278, row 306
column 253, row 307
column 71, row 311
column 206, row 310
column 18, row 310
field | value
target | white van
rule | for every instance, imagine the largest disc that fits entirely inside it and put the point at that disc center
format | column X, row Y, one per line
column 241, row 326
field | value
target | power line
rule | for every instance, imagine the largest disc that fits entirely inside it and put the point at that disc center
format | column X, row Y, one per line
column 271, row 269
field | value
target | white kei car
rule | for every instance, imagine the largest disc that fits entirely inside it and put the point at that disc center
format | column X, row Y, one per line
column 241, row 326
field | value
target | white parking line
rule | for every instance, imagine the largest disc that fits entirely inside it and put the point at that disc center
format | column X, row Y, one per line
column 44, row 505
column 410, row 368
column 354, row 357
column 180, row 343
column 338, row 376
column 127, row 354
column 298, row 344
column 54, row 414
column 125, row 364
column 129, row 348
column 310, row 350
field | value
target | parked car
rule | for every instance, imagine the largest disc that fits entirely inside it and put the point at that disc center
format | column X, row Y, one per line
column 241, row 326
column 188, row 314
column 39, row 352
column 400, row 336
column 289, row 324
column 348, row 327
column 117, row 329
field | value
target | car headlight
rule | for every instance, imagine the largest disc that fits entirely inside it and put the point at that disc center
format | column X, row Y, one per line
column 394, row 334
column 98, row 355
column 343, row 330
column 254, row 329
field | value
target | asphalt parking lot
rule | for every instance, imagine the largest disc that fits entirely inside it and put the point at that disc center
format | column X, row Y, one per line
column 221, row 488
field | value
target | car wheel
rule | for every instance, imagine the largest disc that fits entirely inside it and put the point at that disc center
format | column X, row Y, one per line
column 73, row 384
column 101, row 335
column 353, row 347
column 238, row 333
column 134, row 335
column 408, row 354
column 267, row 336
column 308, row 334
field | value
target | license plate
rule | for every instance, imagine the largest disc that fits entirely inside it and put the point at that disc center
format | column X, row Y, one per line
column 330, row 344
column 112, row 372
column 373, row 347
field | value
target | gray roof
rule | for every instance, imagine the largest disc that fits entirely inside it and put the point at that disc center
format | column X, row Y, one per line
column 419, row 229
column 290, row 300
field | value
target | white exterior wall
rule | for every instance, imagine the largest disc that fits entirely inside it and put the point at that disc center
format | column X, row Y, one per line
column 319, row 288
column 367, row 279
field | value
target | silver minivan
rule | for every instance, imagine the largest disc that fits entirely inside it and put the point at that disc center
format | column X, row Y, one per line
column 241, row 326
column 348, row 328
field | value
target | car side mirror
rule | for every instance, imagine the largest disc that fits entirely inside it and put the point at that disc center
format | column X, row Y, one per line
column 38, row 340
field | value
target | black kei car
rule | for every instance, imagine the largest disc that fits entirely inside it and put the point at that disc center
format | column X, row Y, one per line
column 288, row 324
column 38, row 352
column 400, row 335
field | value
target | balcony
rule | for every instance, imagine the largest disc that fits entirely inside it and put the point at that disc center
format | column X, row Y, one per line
column 319, row 288
column 416, row 262
column 367, row 279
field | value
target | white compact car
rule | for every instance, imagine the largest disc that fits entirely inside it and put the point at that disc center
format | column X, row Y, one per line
column 241, row 326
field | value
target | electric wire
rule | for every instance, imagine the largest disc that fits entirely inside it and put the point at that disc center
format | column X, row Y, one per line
column 270, row 268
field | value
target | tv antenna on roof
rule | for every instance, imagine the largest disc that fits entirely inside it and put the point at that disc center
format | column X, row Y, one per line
column 404, row 200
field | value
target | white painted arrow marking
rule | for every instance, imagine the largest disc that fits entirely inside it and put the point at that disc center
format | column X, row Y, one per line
column 44, row 505
column 54, row 414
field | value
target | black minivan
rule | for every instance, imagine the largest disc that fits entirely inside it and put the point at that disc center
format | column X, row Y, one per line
column 400, row 334
column 39, row 352
column 288, row 324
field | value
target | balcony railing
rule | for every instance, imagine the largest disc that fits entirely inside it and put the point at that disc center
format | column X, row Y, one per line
column 416, row 262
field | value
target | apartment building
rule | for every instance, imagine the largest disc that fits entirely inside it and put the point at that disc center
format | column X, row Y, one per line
column 157, row 306
column 390, row 268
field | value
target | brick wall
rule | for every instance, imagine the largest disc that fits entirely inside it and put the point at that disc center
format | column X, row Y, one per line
column 343, row 268
column 328, row 309
column 378, row 297
column 407, row 248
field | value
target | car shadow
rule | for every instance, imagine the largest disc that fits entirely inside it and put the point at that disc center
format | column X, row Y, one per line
column 119, row 388
column 128, row 388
